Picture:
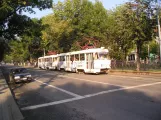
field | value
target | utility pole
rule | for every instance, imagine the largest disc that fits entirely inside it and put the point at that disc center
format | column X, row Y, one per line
column 148, row 53
column 44, row 51
column 159, row 34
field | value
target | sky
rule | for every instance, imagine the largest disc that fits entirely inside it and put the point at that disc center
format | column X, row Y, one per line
column 108, row 4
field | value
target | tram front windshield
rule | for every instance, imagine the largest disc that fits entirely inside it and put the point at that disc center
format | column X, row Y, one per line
column 103, row 56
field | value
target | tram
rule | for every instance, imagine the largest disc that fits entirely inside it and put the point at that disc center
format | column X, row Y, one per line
column 94, row 60
column 48, row 62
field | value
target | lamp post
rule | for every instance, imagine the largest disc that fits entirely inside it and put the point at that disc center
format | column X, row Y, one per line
column 159, row 34
column 44, row 51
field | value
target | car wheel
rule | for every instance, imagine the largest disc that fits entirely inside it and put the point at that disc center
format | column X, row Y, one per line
column 29, row 79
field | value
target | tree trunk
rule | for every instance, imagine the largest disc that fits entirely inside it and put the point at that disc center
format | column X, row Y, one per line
column 138, row 49
column 125, row 55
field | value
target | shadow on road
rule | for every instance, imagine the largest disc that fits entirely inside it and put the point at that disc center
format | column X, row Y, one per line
column 120, row 105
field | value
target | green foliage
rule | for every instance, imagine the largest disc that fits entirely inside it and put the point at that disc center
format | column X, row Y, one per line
column 3, row 47
column 86, row 19
column 56, row 34
column 140, row 24
column 122, row 29
column 28, row 45
column 19, row 51
column 118, row 34
column 12, row 22
column 153, row 49
column 33, row 38
column 11, row 10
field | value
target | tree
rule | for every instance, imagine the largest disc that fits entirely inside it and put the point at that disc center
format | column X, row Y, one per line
column 118, row 33
column 11, row 12
column 33, row 37
column 3, row 47
column 12, row 22
column 140, row 24
column 28, row 45
column 19, row 51
column 56, row 34
column 87, row 19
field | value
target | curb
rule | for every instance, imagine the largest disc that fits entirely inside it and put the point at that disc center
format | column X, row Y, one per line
column 9, row 109
column 134, row 72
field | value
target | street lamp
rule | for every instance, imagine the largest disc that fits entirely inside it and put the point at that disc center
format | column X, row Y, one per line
column 44, row 51
column 159, row 34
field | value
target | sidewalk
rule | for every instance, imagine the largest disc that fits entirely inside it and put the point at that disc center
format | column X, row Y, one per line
column 8, row 107
column 136, row 73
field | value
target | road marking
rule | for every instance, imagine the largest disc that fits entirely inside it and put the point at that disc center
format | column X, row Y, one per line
column 60, row 89
column 87, row 96
column 120, row 89
column 137, row 77
column 105, row 83
column 125, row 76
column 51, row 103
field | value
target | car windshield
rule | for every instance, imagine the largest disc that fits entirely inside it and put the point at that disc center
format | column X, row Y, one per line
column 21, row 70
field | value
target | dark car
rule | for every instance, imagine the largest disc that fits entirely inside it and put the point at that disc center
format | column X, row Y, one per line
column 20, row 74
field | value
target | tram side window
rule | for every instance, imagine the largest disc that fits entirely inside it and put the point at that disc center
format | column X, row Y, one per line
column 47, row 59
column 62, row 58
column 50, row 59
column 82, row 57
column 72, row 58
column 96, row 56
column 77, row 57
column 56, row 59
column 103, row 56
column 39, row 60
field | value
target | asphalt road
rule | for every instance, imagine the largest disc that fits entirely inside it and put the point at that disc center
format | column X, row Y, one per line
column 57, row 95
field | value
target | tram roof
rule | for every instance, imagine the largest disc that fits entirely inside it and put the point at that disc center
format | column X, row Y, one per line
column 47, row 56
column 85, row 51
column 79, row 52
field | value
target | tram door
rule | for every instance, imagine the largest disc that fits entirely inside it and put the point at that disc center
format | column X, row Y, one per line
column 90, row 61
column 68, row 62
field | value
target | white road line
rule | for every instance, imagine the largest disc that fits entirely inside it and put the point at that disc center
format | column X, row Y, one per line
column 51, row 103
column 120, row 89
column 138, row 77
column 60, row 89
column 105, row 83
column 87, row 96
column 126, row 76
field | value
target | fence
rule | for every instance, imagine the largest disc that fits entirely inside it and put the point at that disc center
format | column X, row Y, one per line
column 122, row 65
column 28, row 64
